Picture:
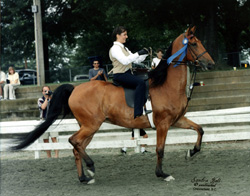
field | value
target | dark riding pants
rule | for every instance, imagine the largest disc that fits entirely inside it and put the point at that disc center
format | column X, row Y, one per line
column 129, row 80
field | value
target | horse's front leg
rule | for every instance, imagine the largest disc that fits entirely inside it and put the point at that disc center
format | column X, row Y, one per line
column 162, row 130
column 185, row 123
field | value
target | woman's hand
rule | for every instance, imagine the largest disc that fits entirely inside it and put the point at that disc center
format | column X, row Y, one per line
column 143, row 51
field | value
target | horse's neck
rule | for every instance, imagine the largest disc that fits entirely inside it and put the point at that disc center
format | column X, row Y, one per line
column 177, row 78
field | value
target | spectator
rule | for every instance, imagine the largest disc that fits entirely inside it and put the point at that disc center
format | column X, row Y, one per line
column 2, row 82
column 144, row 135
column 12, row 83
column 97, row 73
column 43, row 104
column 157, row 59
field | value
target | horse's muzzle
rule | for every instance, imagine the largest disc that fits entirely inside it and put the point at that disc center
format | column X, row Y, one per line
column 204, row 65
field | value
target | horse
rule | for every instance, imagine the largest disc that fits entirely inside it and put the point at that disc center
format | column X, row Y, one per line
column 94, row 102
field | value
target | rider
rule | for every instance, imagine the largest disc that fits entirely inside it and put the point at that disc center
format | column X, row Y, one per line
column 122, row 60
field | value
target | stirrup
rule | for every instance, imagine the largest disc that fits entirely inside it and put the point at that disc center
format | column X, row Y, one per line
column 147, row 111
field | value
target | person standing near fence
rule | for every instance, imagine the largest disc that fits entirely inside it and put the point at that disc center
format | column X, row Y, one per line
column 43, row 105
column 143, row 147
column 97, row 73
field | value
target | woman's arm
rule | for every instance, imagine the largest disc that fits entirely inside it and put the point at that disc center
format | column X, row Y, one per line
column 15, row 79
column 117, row 53
column 141, row 58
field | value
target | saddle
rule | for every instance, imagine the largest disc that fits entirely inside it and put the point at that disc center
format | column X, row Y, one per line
column 130, row 93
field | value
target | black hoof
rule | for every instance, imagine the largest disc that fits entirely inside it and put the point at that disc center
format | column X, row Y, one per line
column 161, row 174
column 85, row 180
column 191, row 153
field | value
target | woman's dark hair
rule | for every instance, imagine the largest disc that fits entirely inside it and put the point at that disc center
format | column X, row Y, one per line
column 159, row 50
column 118, row 30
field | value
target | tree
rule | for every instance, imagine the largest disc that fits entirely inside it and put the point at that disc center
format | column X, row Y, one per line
column 234, row 21
column 17, row 46
column 73, row 30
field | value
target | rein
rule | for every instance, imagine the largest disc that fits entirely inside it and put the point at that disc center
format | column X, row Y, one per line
column 191, row 92
column 192, row 84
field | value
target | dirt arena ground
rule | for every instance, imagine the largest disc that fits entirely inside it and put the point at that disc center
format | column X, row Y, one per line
column 221, row 169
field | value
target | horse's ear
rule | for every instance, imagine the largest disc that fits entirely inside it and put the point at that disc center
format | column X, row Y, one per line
column 191, row 30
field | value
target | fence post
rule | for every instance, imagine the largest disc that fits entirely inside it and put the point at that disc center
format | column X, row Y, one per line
column 136, row 137
column 70, row 77
column 37, row 152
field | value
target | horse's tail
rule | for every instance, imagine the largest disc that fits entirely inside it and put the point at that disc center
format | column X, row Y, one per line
column 58, row 102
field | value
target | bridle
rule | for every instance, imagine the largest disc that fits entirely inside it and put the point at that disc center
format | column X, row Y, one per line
column 191, row 50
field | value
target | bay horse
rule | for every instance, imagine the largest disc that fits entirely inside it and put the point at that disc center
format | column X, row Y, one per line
column 94, row 102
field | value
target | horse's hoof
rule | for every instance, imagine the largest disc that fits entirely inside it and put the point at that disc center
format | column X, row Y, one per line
column 169, row 178
column 91, row 173
column 92, row 181
column 191, row 155
column 86, row 180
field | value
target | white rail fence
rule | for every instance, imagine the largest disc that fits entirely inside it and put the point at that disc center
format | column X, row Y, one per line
column 218, row 125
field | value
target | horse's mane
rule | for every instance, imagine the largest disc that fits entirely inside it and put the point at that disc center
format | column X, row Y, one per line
column 159, row 74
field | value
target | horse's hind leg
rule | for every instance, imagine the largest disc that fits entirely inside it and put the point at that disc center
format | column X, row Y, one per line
column 82, row 177
column 80, row 140
column 185, row 123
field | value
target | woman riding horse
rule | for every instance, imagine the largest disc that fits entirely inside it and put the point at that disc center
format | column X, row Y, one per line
column 122, row 60
column 94, row 102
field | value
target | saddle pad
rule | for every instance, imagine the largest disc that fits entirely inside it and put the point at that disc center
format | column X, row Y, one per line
column 130, row 95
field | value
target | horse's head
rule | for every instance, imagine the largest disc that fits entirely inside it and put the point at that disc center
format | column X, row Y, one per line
column 196, row 51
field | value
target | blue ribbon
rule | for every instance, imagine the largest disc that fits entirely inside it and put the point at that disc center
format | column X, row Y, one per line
column 182, row 51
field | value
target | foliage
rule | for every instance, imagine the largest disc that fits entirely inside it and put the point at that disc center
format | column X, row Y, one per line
column 17, row 33
column 73, row 30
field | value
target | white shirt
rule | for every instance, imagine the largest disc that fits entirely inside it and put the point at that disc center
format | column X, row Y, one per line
column 155, row 61
column 2, row 77
column 117, row 53
column 12, row 78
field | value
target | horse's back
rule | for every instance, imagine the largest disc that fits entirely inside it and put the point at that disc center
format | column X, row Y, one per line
column 88, row 91
column 93, row 94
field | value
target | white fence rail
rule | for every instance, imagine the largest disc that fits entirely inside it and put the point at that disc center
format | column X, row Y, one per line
column 218, row 125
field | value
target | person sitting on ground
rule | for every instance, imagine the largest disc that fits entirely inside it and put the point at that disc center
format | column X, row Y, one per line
column 97, row 73
column 43, row 105
column 12, row 83
column 157, row 59
column 2, row 82
column 144, row 135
